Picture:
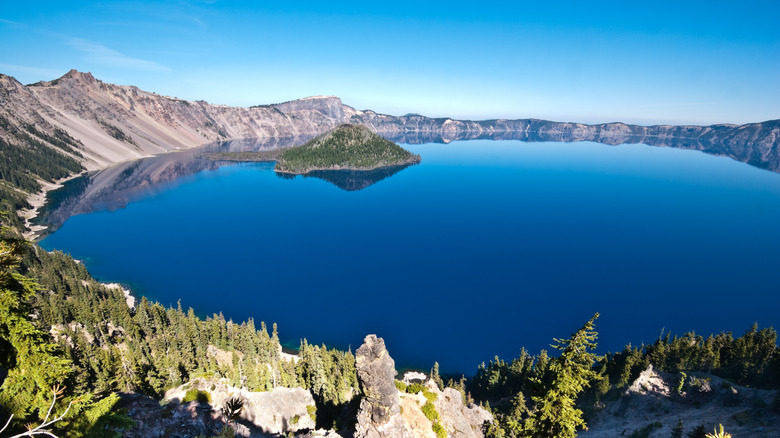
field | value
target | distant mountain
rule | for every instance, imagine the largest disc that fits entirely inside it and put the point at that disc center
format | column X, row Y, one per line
column 97, row 124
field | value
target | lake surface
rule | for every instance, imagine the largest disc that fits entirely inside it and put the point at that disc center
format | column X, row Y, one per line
column 483, row 248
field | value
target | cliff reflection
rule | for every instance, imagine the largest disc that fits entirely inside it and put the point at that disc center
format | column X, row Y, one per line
column 114, row 187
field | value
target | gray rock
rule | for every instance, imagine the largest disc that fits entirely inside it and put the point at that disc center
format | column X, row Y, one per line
column 280, row 411
column 379, row 413
column 459, row 420
column 376, row 371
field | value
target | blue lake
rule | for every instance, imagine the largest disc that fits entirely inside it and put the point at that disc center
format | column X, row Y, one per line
column 483, row 248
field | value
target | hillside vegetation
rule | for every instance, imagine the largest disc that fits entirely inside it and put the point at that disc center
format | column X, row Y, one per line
column 346, row 147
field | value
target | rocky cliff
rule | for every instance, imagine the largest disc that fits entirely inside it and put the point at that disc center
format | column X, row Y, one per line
column 115, row 123
column 386, row 412
column 380, row 410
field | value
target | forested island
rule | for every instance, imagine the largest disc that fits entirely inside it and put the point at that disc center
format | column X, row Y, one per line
column 347, row 147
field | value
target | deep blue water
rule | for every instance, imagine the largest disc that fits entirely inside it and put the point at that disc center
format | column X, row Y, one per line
column 481, row 249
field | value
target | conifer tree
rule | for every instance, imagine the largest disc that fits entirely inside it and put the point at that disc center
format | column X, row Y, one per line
column 569, row 374
column 32, row 363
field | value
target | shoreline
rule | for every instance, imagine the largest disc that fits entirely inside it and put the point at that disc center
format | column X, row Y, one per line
column 38, row 200
column 130, row 298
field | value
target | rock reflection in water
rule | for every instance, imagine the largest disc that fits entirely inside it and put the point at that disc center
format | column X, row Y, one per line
column 114, row 187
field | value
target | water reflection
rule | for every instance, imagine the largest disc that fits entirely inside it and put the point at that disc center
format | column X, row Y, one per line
column 114, row 187
column 351, row 180
column 741, row 146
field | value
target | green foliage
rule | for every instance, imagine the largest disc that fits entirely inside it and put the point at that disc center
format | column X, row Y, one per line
column 117, row 133
column 435, row 377
column 698, row 432
column 430, row 396
column 400, row 385
column 312, row 411
column 430, row 412
column 329, row 373
column 24, row 156
column 34, row 365
column 346, row 147
column 719, row 433
column 196, row 395
column 681, row 383
column 569, row 374
column 677, row 432
column 439, row 430
column 415, row 388
column 98, row 419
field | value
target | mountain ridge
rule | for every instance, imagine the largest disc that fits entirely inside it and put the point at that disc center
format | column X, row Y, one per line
column 121, row 122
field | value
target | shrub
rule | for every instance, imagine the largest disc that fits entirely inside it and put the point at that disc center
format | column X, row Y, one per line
column 719, row 433
column 430, row 412
column 400, row 385
column 414, row 388
column 430, row 396
column 196, row 395
column 440, row 431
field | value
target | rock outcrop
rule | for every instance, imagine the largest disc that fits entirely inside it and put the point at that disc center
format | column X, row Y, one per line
column 458, row 419
column 278, row 412
column 379, row 413
column 652, row 402
column 385, row 412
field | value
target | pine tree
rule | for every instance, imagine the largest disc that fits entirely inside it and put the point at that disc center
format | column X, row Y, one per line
column 33, row 364
column 677, row 432
column 569, row 374
column 436, row 377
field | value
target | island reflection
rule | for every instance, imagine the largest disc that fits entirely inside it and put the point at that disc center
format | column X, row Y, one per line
column 350, row 180
column 113, row 188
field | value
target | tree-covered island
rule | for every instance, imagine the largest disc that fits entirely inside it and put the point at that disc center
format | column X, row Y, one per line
column 347, row 147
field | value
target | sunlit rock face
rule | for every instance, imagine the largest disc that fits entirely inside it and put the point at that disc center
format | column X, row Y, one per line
column 116, row 123
column 380, row 412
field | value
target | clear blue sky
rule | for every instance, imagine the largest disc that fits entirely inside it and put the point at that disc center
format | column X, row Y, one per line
column 591, row 61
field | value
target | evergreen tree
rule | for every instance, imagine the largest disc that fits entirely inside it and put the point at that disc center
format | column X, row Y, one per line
column 556, row 414
column 436, row 377
column 677, row 432
column 32, row 363
column 698, row 432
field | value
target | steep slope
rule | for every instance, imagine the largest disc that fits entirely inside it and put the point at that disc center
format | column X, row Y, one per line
column 51, row 130
column 117, row 123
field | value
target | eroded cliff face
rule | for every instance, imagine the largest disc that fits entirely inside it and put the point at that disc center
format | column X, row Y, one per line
column 115, row 123
column 385, row 412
